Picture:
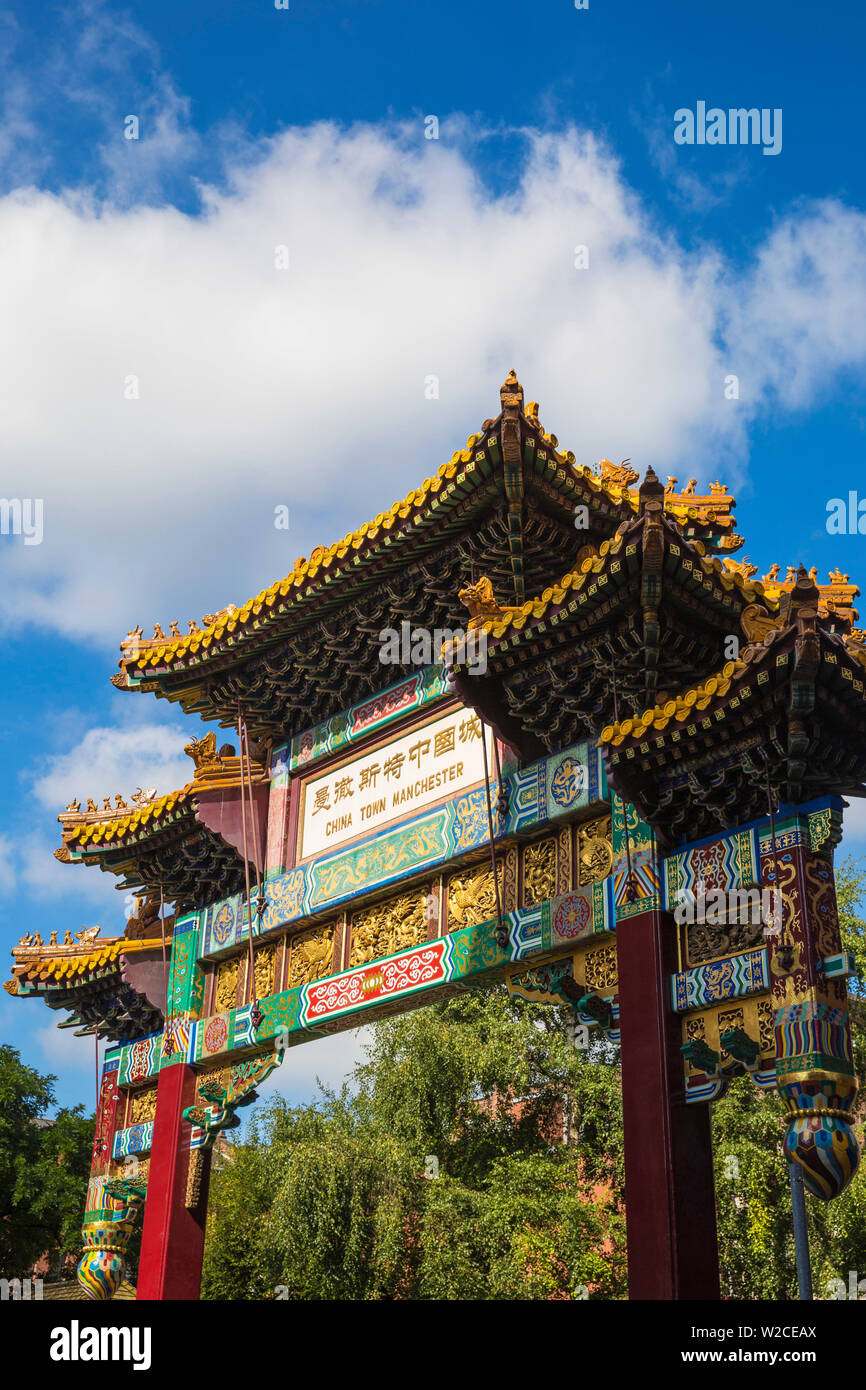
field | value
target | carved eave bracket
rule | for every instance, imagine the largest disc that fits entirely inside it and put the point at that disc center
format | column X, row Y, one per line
column 224, row 1102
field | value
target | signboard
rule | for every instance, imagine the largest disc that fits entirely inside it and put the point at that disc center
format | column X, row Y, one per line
column 433, row 762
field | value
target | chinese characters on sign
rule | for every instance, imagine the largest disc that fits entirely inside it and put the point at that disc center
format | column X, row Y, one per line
column 435, row 760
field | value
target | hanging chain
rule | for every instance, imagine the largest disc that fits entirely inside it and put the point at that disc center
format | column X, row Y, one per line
column 168, row 1040
column 630, row 889
column 501, row 933
column 246, row 775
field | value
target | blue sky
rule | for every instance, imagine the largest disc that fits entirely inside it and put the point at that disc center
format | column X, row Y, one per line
column 154, row 259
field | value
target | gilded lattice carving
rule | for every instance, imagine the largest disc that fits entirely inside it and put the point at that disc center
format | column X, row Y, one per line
column 133, row 1166
column 695, row 1031
column 509, row 879
column 766, row 1031
column 564, row 855
column 600, row 970
column 197, row 1161
column 311, row 955
column 471, row 898
column 539, row 871
column 142, row 1106
column 388, row 927
column 263, row 961
column 226, row 989
column 727, row 1019
column 219, row 1075
column 594, row 851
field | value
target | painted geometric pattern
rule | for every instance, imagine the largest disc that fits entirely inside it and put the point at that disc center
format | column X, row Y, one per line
column 730, row 862
column 345, row 728
column 423, row 842
column 812, row 1037
column 526, row 792
column 724, row 979
column 400, row 975
column 632, row 845
column 140, row 1060
column 137, row 1139
column 644, row 881
column 648, row 903
column 175, row 1041
column 789, row 835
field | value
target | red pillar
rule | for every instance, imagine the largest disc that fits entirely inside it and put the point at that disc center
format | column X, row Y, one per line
column 669, row 1190
column 172, row 1241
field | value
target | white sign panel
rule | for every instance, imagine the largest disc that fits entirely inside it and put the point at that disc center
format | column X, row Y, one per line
column 434, row 762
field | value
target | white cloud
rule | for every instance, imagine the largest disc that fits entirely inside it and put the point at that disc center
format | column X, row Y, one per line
column 305, row 387
column 106, row 760
column 111, row 759
column 62, row 1051
column 330, row 1060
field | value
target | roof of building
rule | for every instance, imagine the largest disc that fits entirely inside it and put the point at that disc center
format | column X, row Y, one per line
column 797, row 691
column 507, row 501
column 113, row 985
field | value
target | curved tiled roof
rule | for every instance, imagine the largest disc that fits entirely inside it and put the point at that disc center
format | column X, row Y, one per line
column 515, row 619
column 38, row 964
column 422, row 508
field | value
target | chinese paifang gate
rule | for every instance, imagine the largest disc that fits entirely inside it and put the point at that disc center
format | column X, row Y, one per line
column 655, row 724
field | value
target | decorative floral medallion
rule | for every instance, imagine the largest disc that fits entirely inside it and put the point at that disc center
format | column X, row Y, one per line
column 572, row 917
column 215, row 1035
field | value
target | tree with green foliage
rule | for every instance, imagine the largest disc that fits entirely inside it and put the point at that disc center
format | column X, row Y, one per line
column 43, row 1168
column 440, row 1174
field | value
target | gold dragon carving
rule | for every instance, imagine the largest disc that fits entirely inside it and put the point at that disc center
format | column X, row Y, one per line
column 594, row 851
column 311, row 955
column 471, row 898
column 387, row 927
column 708, row 941
column 539, row 871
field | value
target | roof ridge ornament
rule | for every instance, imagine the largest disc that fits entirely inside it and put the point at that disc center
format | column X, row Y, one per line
column 651, row 492
column 511, row 392
column 617, row 473
column 481, row 602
